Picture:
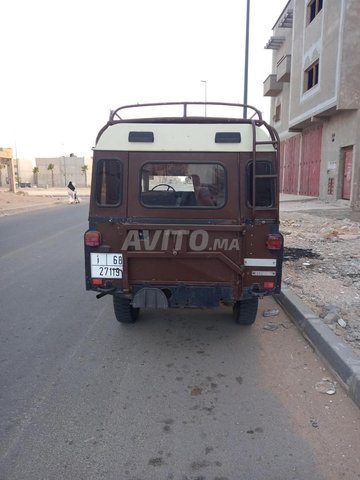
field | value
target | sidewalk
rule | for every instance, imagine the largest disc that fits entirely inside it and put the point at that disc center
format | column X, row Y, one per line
column 315, row 206
column 27, row 199
column 55, row 192
column 334, row 351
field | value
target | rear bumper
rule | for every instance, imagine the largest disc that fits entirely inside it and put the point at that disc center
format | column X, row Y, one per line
column 182, row 295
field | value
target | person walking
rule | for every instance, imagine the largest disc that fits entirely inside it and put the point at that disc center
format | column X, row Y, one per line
column 71, row 192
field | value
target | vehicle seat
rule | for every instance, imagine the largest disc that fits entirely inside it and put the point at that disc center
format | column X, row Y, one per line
column 203, row 195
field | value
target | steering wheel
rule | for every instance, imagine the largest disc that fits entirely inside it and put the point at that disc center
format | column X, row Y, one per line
column 169, row 187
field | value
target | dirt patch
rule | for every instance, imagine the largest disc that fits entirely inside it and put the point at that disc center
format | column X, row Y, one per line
column 297, row 253
column 322, row 266
column 10, row 202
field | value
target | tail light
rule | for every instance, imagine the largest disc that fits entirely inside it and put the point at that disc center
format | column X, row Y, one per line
column 274, row 241
column 269, row 284
column 92, row 238
column 97, row 281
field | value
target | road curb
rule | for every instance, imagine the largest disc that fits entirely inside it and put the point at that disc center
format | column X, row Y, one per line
column 340, row 358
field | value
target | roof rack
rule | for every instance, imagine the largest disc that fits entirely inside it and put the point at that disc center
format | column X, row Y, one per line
column 255, row 121
column 116, row 115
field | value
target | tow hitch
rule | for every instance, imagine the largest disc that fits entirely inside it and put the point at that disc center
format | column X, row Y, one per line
column 104, row 292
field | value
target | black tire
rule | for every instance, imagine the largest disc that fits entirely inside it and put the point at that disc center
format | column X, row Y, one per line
column 245, row 311
column 124, row 312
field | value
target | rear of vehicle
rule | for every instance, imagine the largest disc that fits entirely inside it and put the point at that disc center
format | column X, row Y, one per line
column 184, row 211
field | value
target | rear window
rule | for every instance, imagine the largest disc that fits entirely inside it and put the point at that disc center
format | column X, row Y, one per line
column 109, row 182
column 183, row 185
column 265, row 187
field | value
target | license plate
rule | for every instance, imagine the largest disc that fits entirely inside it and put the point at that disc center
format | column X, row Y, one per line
column 106, row 265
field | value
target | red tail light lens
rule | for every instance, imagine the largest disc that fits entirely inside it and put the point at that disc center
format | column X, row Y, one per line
column 274, row 241
column 269, row 284
column 97, row 281
column 92, row 238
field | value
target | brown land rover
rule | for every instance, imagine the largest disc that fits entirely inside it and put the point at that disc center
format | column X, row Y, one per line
column 184, row 209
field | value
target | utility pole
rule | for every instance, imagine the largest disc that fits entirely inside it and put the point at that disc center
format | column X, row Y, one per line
column 246, row 67
column 64, row 158
column 205, row 83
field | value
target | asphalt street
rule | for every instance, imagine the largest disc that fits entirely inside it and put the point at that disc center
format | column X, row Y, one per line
column 180, row 395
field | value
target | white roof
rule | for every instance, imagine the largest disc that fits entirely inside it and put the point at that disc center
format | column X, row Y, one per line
column 182, row 137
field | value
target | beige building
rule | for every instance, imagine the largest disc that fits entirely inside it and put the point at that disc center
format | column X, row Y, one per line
column 315, row 90
column 7, row 170
column 24, row 171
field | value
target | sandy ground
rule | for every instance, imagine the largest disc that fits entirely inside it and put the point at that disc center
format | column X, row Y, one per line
column 10, row 201
column 322, row 264
column 33, row 198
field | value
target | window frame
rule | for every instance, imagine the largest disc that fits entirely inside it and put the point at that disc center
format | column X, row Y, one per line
column 98, row 182
column 249, row 183
column 277, row 114
column 311, row 76
column 183, row 207
column 314, row 7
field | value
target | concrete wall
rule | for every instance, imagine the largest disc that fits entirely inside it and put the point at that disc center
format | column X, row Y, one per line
column 24, row 168
column 349, row 81
column 314, row 41
column 65, row 169
column 339, row 131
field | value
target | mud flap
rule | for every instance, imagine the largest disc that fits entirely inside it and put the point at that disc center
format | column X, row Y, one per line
column 150, row 298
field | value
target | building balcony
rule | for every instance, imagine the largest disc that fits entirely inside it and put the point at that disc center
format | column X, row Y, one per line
column 275, row 43
column 272, row 87
column 283, row 69
column 286, row 20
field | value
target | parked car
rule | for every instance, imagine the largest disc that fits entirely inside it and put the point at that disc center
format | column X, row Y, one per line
column 184, row 212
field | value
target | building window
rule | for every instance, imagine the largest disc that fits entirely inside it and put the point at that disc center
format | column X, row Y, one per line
column 312, row 76
column 277, row 115
column 314, row 7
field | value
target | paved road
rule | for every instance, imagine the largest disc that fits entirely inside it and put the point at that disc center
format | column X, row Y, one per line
column 177, row 396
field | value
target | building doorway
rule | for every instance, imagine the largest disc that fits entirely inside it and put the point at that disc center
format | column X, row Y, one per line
column 347, row 173
column 310, row 161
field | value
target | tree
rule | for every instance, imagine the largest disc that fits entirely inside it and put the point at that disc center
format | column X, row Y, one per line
column 84, row 170
column 35, row 171
column 51, row 167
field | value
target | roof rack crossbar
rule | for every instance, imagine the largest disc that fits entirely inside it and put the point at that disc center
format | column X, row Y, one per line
column 115, row 115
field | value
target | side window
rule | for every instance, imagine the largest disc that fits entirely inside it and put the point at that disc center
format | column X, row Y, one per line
column 183, row 185
column 109, row 182
column 314, row 7
column 264, row 187
column 311, row 77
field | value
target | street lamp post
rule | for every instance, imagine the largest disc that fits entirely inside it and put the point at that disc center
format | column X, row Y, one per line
column 64, row 168
column 246, row 67
column 205, row 83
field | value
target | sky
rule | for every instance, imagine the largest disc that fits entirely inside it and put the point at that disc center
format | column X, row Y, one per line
column 66, row 63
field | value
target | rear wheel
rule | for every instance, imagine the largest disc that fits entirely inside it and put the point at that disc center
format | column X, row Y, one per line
column 245, row 311
column 124, row 312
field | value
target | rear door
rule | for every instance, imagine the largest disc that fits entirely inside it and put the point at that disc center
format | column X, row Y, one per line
column 185, row 219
